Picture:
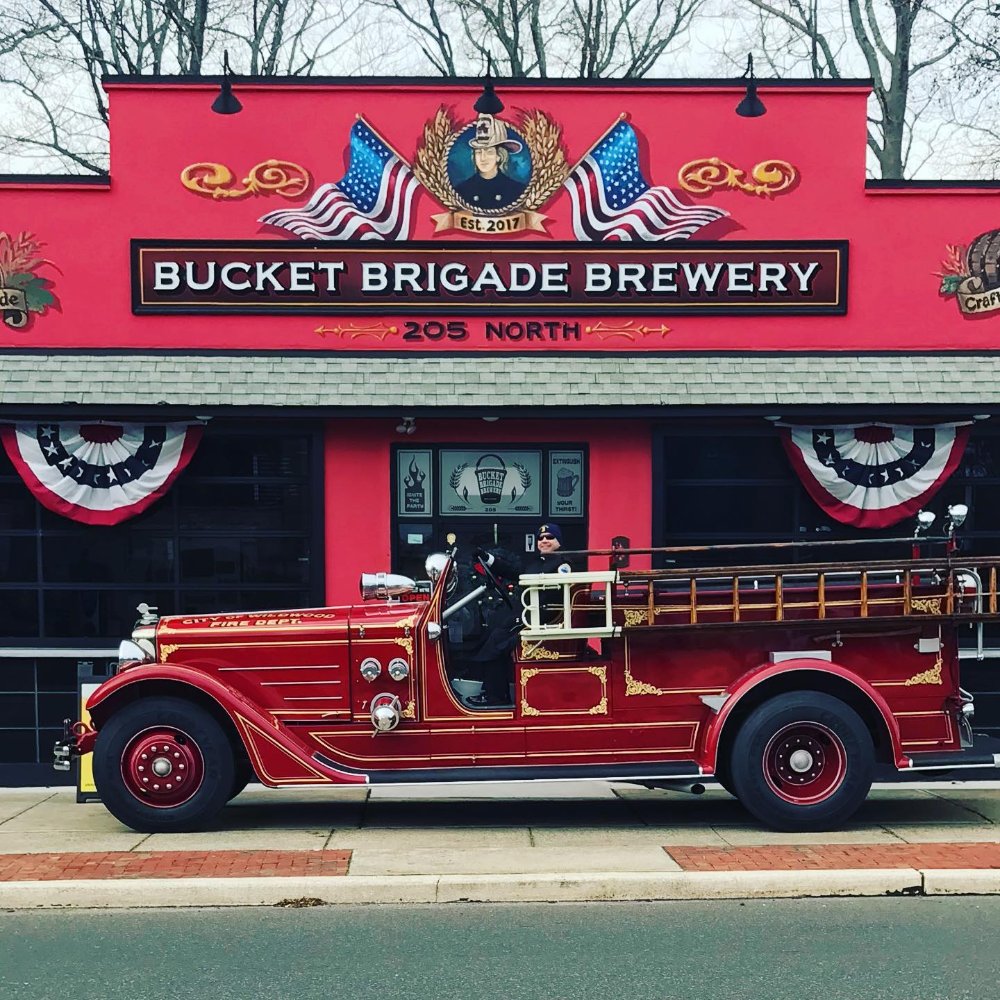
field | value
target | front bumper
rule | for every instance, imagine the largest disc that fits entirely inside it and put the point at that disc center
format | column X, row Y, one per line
column 77, row 739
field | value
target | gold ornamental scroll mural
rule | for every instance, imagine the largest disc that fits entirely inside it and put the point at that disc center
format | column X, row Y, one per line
column 767, row 178
column 216, row 180
column 491, row 175
column 23, row 290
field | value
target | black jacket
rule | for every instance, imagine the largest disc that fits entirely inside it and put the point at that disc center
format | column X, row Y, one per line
column 497, row 192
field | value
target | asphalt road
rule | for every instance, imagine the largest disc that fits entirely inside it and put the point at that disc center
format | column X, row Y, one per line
column 879, row 949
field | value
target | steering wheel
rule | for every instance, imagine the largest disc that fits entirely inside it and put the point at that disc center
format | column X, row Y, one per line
column 491, row 579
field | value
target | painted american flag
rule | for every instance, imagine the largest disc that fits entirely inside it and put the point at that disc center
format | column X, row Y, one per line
column 613, row 201
column 370, row 202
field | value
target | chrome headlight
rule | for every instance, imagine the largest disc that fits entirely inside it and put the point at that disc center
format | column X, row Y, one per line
column 132, row 652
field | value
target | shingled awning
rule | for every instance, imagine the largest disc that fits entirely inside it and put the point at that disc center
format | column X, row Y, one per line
column 608, row 381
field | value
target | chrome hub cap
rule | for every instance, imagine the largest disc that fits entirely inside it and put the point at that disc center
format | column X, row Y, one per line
column 800, row 761
column 162, row 767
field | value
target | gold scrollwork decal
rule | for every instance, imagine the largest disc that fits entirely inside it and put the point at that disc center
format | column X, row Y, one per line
column 632, row 686
column 932, row 676
column 407, row 644
column 769, row 177
column 636, row 617
column 536, row 651
column 167, row 649
column 410, row 712
column 526, row 674
column 928, row 605
column 216, row 180
column 601, row 708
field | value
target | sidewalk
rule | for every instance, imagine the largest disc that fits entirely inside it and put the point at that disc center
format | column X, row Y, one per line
column 551, row 842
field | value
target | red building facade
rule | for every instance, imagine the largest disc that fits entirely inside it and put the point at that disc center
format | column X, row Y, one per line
column 275, row 348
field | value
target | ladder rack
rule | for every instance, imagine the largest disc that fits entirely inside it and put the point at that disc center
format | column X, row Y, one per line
column 601, row 604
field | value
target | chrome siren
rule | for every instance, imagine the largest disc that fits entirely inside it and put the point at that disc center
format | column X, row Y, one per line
column 382, row 586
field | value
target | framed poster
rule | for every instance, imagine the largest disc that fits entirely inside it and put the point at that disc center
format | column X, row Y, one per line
column 414, row 483
column 566, row 484
column 501, row 482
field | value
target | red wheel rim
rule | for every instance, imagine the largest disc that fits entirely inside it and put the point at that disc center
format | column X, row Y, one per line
column 162, row 767
column 805, row 763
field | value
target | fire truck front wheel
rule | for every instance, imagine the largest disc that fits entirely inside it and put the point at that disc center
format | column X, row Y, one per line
column 163, row 765
column 802, row 761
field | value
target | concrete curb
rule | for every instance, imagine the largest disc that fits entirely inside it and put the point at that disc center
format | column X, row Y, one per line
column 543, row 888
column 962, row 881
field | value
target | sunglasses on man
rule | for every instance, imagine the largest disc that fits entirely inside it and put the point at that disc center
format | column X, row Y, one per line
column 546, row 538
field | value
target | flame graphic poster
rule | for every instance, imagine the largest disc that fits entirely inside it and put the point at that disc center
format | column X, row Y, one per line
column 491, row 482
column 414, row 484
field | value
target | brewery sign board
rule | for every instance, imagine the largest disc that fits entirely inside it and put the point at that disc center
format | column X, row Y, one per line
column 472, row 279
column 491, row 482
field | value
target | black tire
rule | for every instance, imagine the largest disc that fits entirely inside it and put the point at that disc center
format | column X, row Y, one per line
column 802, row 761
column 177, row 737
column 243, row 774
column 723, row 777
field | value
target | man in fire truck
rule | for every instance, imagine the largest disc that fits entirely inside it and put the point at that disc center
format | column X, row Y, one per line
column 496, row 654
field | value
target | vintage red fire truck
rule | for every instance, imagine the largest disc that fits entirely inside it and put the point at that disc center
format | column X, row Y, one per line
column 787, row 683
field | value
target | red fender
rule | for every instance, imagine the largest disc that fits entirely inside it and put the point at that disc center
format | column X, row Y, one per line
column 766, row 671
column 276, row 758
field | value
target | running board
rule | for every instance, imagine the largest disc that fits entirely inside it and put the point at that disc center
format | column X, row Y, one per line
column 561, row 772
column 953, row 761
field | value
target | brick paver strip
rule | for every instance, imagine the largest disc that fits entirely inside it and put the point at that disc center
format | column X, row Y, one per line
column 171, row 864
column 836, row 856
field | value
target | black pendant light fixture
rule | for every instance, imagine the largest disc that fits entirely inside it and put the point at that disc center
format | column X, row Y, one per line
column 488, row 103
column 226, row 103
column 751, row 106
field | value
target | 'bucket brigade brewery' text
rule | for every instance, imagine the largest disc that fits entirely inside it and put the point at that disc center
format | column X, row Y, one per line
column 268, row 276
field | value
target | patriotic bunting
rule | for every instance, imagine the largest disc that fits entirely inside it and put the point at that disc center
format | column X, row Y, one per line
column 99, row 473
column 874, row 475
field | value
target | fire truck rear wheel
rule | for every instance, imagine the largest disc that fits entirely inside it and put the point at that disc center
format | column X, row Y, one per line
column 163, row 765
column 802, row 761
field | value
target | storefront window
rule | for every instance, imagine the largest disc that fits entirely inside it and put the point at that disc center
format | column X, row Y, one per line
column 237, row 532
column 719, row 489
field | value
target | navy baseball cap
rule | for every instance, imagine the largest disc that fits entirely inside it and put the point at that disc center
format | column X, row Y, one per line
column 550, row 529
